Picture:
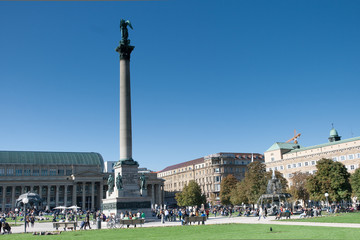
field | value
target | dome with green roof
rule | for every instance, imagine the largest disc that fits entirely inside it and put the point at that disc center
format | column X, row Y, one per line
column 333, row 133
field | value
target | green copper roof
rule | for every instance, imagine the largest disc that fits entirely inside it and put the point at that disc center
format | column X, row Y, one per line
column 51, row 158
column 333, row 133
column 282, row 145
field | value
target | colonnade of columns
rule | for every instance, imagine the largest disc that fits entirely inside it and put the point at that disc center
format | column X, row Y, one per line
column 87, row 195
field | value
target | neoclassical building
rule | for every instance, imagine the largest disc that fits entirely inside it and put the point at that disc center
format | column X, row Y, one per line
column 61, row 179
column 207, row 171
column 288, row 158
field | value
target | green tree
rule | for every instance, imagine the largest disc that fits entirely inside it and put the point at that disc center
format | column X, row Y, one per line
column 255, row 181
column 355, row 183
column 238, row 194
column 331, row 177
column 228, row 183
column 298, row 189
column 190, row 195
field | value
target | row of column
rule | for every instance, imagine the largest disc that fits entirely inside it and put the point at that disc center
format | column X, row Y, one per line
column 157, row 194
column 57, row 187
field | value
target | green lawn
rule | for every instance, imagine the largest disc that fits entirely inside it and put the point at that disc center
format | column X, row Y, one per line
column 224, row 231
column 331, row 218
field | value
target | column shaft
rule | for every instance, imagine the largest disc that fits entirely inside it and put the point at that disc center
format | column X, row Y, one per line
column 3, row 198
column 83, row 196
column 13, row 198
column 65, row 195
column 74, row 195
column 57, row 191
column 48, row 197
column 125, row 111
column 92, row 196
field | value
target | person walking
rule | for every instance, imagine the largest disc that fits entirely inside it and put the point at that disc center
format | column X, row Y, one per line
column 261, row 213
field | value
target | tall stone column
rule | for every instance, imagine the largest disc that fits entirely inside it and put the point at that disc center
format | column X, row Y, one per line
column 65, row 195
column 74, row 197
column 101, row 193
column 13, row 198
column 152, row 195
column 125, row 102
column 48, row 197
column 40, row 190
column 83, row 196
column 159, row 196
column 3, row 198
column 92, row 196
column 57, row 191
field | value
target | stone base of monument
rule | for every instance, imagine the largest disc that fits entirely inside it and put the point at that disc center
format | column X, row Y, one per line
column 130, row 204
column 129, row 197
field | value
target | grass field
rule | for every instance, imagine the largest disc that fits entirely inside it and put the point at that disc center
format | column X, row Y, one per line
column 332, row 218
column 224, row 231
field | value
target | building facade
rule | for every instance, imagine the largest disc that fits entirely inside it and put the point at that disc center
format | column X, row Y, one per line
column 288, row 158
column 61, row 179
column 207, row 171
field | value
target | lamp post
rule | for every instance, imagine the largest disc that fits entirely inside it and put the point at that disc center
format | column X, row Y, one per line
column 327, row 202
column 25, row 201
column 16, row 213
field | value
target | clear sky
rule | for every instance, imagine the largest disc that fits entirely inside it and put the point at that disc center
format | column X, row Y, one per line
column 207, row 76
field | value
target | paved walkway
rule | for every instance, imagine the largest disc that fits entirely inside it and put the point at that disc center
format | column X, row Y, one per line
column 42, row 227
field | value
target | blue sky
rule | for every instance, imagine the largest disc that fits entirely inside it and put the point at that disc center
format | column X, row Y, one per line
column 207, row 76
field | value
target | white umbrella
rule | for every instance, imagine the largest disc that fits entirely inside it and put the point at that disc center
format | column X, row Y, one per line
column 61, row 207
column 73, row 207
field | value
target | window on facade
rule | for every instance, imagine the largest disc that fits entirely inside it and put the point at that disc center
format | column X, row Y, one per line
column 27, row 172
column 272, row 159
column 294, row 165
column 358, row 155
column 52, row 172
column 334, row 159
column 18, row 172
column 313, row 162
column 61, row 172
column 35, row 172
column 342, row 158
column 289, row 166
column 290, row 175
column 2, row 172
column 44, row 172
column 276, row 168
column 352, row 167
column 10, row 172
column 216, row 187
column 217, row 170
column 281, row 167
column 217, row 178
column 306, row 163
column 299, row 164
column 351, row 156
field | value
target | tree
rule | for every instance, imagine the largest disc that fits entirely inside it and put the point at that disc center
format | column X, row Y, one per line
column 228, row 183
column 238, row 194
column 190, row 195
column 332, row 178
column 255, row 181
column 298, row 189
column 355, row 183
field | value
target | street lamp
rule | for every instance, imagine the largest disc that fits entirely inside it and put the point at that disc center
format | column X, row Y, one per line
column 327, row 202
column 16, row 212
column 25, row 201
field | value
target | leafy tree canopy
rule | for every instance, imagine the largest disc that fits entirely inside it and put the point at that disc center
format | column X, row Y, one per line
column 355, row 183
column 191, row 195
column 332, row 178
column 228, row 183
column 298, row 189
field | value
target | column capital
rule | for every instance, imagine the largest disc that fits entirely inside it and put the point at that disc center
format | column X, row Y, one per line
column 124, row 50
